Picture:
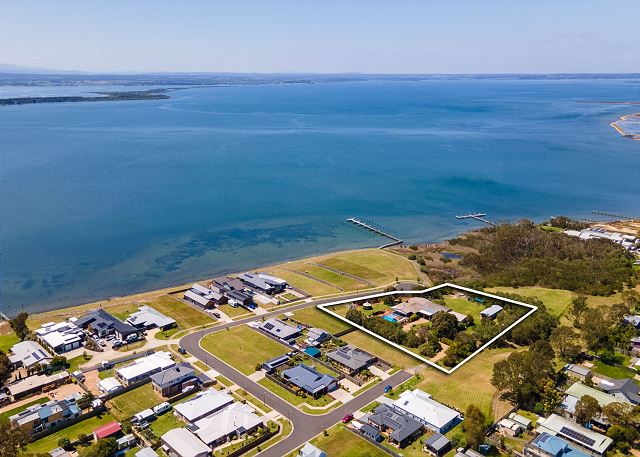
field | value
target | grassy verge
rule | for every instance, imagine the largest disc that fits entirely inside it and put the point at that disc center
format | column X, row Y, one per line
column 610, row 370
column 242, row 348
column 342, row 442
column 75, row 362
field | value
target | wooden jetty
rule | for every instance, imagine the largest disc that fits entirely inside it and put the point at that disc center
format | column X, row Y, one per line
column 477, row 216
column 617, row 216
column 394, row 240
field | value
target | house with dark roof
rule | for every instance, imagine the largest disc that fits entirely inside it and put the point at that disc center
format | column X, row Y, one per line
column 351, row 359
column 280, row 329
column 239, row 298
column 371, row 432
column 228, row 283
column 315, row 336
column 255, row 282
column 419, row 305
column 102, row 323
column 147, row 317
column 437, row 445
column 310, row 380
column 401, row 429
column 624, row 389
column 173, row 380
column 274, row 363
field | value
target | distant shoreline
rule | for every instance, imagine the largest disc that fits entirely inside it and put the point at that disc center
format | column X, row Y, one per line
column 152, row 94
column 616, row 125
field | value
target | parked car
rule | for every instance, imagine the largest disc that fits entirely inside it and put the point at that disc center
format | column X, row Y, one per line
column 143, row 425
column 217, row 315
column 388, row 389
column 131, row 338
column 347, row 418
column 79, row 375
column 182, row 350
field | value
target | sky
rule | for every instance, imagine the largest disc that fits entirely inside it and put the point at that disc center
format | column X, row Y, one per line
column 274, row 36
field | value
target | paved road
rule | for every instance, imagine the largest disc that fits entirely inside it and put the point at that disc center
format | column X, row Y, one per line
column 306, row 426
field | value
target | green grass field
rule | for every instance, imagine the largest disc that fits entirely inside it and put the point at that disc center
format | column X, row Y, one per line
column 470, row 384
column 378, row 266
column 11, row 412
column 200, row 365
column 85, row 427
column 75, row 362
column 332, row 277
column 610, row 371
column 340, row 442
column 557, row 301
column 295, row 399
column 233, row 312
column 7, row 339
column 164, row 423
column 242, row 347
column 310, row 286
column 464, row 306
column 317, row 318
column 129, row 403
column 381, row 349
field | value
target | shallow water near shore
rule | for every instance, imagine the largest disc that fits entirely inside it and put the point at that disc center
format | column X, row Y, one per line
column 103, row 199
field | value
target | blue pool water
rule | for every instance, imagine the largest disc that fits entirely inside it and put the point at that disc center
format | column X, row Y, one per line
column 103, row 199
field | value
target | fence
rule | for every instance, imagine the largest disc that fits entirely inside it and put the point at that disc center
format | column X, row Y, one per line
column 280, row 383
column 94, row 412
column 110, row 395
column 374, row 442
column 124, row 358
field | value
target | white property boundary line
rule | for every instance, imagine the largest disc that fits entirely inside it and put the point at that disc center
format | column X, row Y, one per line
column 532, row 310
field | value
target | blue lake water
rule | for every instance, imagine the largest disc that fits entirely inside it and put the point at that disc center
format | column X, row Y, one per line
column 103, row 199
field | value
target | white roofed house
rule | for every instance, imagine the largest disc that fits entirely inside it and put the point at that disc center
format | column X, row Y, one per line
column 144, row 367
column 420, row 406
column 147, row 317
column 61, row 337
column 203, row 404
column 233, row 421
column 29, row 354
column 180, row 442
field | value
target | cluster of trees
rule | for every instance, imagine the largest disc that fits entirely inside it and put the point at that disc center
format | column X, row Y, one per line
column 19, row 325
column 623, row 419
column 566, row 223
column 524, row 255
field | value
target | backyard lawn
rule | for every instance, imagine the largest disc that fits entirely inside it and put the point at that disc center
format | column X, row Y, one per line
column 610, row 370
column 381, row 349
column 7, row 338
column 233, row 312
column 340, row 442
column 164, row 423
column 317, row 318
column 470, row 384
column 292, row 398
column 132, row 402
column 242, row 348
column 464, row 306
column 85, row 427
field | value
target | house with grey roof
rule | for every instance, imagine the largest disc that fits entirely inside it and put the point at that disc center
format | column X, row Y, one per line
column 577, row 371
column 419, row 305
column 234, row 421
column 315, row 336
column 147, row 317
column 437, row 444
column 256, row 282
column 491, row 312
column 280, row 329
column 309, row 450
column 400, row 428
column 41, row 417
column 310, row 380
column 351, row 359
column 173, row 380
column 624, row 389
column 202, row 405
column 180, row 442
column 28, row 354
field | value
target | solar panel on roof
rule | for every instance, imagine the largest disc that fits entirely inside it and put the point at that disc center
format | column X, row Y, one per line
column 577, row 436
column 268, row 326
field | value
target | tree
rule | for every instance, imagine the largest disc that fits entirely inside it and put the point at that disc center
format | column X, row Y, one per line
column 537, row 327
column 445, row 325
column 619, row 414
column 5, row 367
column 578, row 307
column 430, row 347
column 631, row 298
column 12, row 439
column 521, row 376
column 551, row 397
column 617, row 313
column 474, row 426
column 19, row 325
column 622, row 436
column 543, row 349
column 103, row 448
column 595, row 332
column 64, row 443
column 586, row 409
column 58, row 361
column 565, row 341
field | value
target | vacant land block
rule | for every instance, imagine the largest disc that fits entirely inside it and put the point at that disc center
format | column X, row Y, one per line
column 242, row 348
column 469, row 385
column 316, row 318
column 342, row 442
column 309, row 285
column 375, row 265
column 132, row 402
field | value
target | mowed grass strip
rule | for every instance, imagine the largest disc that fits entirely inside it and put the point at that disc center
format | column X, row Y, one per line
column 355, row 269
column 317, row 318
column 242, row 348
column 7, row 338
column 557, row 301
column 309, row 285
column 388, row 264
column 469, row 385
column 331, row 277
column 381, row 349
column 86, row 427
column 466, row 307
column 129, row 403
